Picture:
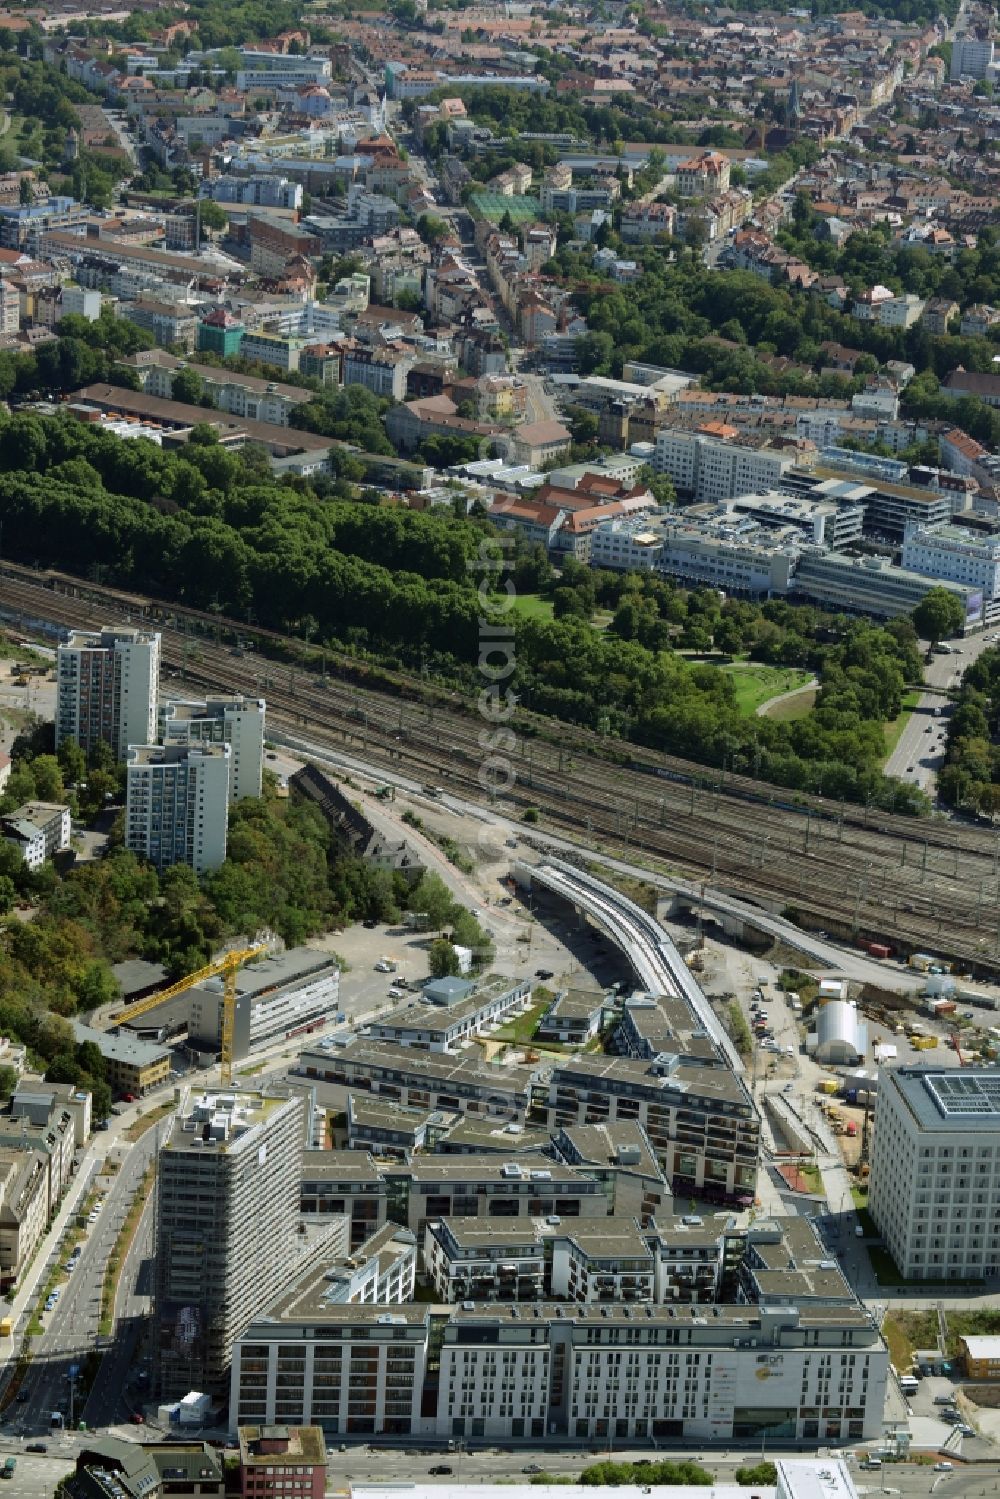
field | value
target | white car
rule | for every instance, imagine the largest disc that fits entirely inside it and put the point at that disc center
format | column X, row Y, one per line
column 944, row 1467
column 383, row 967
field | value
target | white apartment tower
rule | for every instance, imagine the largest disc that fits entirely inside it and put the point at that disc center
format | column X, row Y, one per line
column 108, row 682
column 236, row 721
column 177, row 804
column 227, row 1221
column 935, row 1181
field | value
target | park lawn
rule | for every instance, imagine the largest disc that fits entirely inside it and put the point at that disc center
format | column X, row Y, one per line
column 533, row 606
column 754, row 684
column 798, row 706
column 894, row 728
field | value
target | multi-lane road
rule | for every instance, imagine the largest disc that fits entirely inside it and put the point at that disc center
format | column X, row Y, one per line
column 71, row 1328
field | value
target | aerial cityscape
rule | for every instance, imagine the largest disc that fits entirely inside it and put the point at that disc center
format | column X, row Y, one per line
column 499, row 749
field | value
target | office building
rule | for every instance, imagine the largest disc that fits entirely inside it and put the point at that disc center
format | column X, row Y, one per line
column 971, row 56
column 836, row 522
column 734, row 553
column 872, row 586
column 176, row 804
column 709, row 463
column 107, row 685
column 278, row 996
column 227, row 1215
column 260, row 190
column 956, row 554
column 935, row 1179
column 238, row 722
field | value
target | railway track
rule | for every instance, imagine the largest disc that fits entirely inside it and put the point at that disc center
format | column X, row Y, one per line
column 913, row 884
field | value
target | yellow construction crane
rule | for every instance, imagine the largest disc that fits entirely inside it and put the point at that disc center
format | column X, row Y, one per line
column 227, row 964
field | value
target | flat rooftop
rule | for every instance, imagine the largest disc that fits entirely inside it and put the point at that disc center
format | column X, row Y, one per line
column 964, row 1101
column 623, row 1146
column 339, row 1165
column 220, row 1120
column 690, row 1080
column 497, row 1235
column 404, row 1064
column 528, row 1167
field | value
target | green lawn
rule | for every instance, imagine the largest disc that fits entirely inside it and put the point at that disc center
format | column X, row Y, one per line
column 522, row 1029
column 895, row 728
column 533, row 606
column 755, row 684
column 794, row 707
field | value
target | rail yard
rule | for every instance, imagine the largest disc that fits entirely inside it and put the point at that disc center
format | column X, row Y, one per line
column 926, row 884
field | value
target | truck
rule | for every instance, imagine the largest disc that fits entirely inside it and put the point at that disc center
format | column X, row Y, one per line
column 879, row 950
column 6, row 1327
column 829, row 1086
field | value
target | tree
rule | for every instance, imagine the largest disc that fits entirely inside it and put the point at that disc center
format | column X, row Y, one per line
column 431, row 228
column 432, row 897
column 761, row 1473
column 443, row 959
column 213, row 215
column 72, row 762
column 187, row 386
column 939, row 615
column 8, row 1081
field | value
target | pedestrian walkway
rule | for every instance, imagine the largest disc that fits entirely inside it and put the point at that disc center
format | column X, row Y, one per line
column 24, row 1299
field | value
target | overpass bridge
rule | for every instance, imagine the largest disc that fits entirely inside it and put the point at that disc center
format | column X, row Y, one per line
column 653, row 957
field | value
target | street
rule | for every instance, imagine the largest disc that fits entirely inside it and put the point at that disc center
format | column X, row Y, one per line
column 919, row 751
column 71, row 1329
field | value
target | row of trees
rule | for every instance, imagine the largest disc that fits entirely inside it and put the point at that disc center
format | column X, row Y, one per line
column 970, row 777
column 399, row 584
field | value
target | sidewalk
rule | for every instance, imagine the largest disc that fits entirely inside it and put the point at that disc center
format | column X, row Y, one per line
column 98, row 1148
column 26, row 1293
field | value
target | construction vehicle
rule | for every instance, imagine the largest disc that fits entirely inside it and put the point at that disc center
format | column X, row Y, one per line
column 227, row 965
column 958, row 1049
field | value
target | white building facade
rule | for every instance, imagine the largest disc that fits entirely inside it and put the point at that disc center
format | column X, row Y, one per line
column 177, row 804
column 935, row 1179
column 238, row 722
column 107, row 685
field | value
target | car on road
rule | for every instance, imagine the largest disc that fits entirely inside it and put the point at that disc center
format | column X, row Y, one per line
column 369, row 926
column 531, row 1468
column 439, row 1470
column 22, row 1396
column 36, row 1447
column 944, row 1467
column 543, row 973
